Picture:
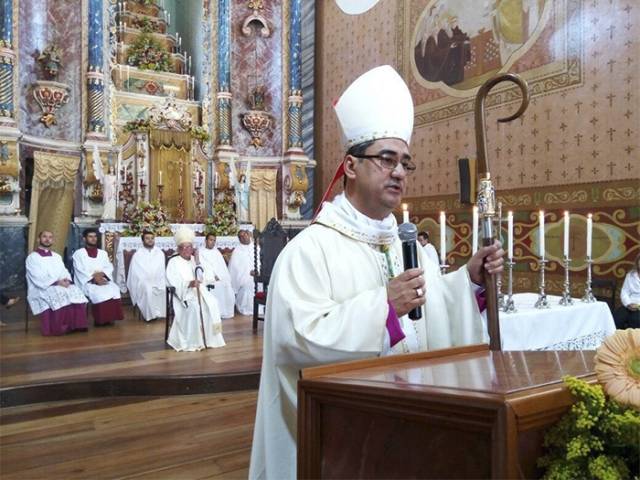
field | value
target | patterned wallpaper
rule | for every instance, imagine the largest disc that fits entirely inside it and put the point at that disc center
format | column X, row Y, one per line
column 576, row 147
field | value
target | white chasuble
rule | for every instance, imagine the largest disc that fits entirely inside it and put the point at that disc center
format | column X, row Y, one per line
column 42, row 273
column 327, row 303
column 146, row 282
column 196, row 324
column 240, row 266
column 85, row 266
column 217, row 274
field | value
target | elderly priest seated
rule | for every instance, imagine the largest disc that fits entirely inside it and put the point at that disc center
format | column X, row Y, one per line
column 197, row 323
column 52, row 294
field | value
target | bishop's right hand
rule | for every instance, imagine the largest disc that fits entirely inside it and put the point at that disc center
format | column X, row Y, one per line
column 406, row 291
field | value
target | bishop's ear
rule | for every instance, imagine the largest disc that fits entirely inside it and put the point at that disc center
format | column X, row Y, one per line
column 349, row 166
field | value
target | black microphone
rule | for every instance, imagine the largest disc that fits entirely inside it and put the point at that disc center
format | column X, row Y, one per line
column 408, row 234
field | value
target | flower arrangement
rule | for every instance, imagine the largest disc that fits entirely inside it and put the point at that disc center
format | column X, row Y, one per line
column 148, row 216
column 139, row 125
column 144, row 24
column 200, row 133
column 148, row 53
column 223, row 221
column 600, row 436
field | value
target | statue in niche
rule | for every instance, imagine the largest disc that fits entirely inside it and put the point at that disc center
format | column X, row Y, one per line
column 109, row 186
column 51, row 60
column 242, row 190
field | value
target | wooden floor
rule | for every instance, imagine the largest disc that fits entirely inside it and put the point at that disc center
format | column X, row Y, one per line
column 183, row 437
column 131, row 347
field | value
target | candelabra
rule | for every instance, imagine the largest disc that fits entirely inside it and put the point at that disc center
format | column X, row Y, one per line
column 566, row 299
column 443, row 268
column 180, row 206
column 160, row 189
column 126, row 194
column 509, row 305
column 542, row 301
column 143, row 190
column 588, row 294
column 198, row 203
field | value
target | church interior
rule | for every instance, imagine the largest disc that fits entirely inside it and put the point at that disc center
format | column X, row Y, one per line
column 205, row 119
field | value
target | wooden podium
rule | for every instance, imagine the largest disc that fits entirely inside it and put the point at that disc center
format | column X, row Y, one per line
column 457, row 413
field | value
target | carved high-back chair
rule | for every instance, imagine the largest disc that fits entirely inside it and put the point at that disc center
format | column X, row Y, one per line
column 271, row 242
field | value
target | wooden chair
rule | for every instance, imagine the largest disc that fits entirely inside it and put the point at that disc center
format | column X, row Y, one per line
column 271, row 241
column 605, row 291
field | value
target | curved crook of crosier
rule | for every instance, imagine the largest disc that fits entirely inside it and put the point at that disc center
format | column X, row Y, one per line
column 483, row 92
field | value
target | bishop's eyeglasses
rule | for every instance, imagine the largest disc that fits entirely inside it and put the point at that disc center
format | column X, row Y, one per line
column 390, row 161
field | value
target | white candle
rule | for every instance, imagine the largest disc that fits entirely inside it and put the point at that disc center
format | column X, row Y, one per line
column 160, row 177
column 510, row 234
column 566, row 234
column 474, row 228
column 443, row 238
column 169, row 18
column 542, row 249
column 589, row 233
column 405, row 213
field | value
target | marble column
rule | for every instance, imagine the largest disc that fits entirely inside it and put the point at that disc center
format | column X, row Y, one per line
column 295, row 162
column 7, row 64
column 95, row 74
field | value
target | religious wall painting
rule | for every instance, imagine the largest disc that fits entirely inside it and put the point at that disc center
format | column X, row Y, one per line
column 446, row 50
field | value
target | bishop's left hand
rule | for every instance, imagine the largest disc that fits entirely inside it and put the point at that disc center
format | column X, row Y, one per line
column 487, row 259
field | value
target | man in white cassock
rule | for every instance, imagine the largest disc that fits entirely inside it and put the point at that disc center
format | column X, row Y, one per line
column 51, row 292
column 146, row 280
column 241, row 268
column 429, row 249
column 338, row 291
column 217, row 274
column 93, row 273
column 196, row 324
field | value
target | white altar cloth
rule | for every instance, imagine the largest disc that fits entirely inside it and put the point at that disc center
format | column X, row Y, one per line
column 163, row 243
column 582, row 326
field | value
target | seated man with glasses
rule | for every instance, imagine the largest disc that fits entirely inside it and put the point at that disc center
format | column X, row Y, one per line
column 339, row 291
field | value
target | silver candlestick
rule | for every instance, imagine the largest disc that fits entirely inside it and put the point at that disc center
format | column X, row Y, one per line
column 500, row 294
column 542, row 301
column 443, row 268
column 509, row 305
column 588, row 294
column 566, row 299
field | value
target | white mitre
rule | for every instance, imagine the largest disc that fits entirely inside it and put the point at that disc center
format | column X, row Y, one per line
column 184, row 235
column 376, row 105
column 356, row 7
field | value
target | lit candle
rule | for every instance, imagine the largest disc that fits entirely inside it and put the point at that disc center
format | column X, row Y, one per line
column 566, row 234
column 510, row 234
column 589, row 233
column 443, row 238
column 542, row 249
column 160, row 177
column 405, row 213
column 474, row 227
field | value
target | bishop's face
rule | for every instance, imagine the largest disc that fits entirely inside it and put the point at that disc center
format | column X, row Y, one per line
column 374, row 186
column 185, row 250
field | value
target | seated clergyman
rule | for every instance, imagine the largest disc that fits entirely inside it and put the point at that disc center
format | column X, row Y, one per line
column 146, row 279
column 196, row 324
column 52, row 294
column 217, row 274
column 94, row 274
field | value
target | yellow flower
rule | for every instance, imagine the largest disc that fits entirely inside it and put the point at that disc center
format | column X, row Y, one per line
column 618, row 366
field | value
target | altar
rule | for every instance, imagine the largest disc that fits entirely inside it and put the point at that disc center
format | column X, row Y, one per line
column 581, row 326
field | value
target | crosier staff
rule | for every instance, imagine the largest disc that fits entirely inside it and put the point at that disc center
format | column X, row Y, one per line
column 197, row 286
column 487, row 193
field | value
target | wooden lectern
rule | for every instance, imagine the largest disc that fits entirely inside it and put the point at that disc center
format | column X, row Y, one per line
column 465, row 412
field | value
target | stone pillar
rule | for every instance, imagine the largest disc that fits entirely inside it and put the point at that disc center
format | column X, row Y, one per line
column 7, row 65
column 224, row 148
column 95, row 74
column 295, row 162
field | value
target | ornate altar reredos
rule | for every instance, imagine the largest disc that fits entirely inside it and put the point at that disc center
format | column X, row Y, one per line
column 164, row 162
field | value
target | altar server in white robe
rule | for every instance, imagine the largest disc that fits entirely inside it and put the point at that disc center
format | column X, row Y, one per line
column 338, row 291
column 52, row 294
column 429, row 249
column 217, row 274
column 197, row 322
column 94, row 275
column 241, row 268
column 146, row 280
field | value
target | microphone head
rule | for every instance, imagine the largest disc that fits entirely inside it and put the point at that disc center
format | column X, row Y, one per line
column 408, row 232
